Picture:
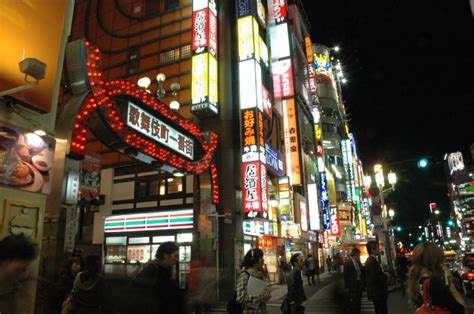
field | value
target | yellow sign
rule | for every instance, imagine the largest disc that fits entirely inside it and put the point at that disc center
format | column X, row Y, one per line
column 246, row 41
column 213, row 97
column 317, row 132
column 199, row 81
column 331, row 187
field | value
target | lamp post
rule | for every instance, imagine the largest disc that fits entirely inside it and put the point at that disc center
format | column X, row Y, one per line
column 160, row 90
column 380, row 183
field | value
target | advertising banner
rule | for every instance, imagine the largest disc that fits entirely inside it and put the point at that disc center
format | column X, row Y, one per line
column 274, row 160
column 279, row 10
column 292, row 151
column 26, row 159
column 252, row 190
column 335, row 223
column 323, row 190
column 314, row 206
column 283, row 79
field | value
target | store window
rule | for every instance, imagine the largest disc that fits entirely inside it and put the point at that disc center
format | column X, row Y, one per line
column 157, row 187
column 116, row 250
column 175, row 185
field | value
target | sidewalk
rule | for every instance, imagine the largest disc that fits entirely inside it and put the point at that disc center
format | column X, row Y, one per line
column 279, row 291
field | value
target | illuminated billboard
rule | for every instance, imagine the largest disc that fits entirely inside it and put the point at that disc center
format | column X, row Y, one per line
column 254, row 193
column 32, row 29
column 251, row 90
column 314, row 205
column 279, row 10
column 323, row 191
column 204, row 86
column 249, row 38
column 204, row 81
column 281, row 46
column 292, row 150
column 335, row 222
column 161, row 220
column 283, row 79
column 322, row 65
column 147, row 124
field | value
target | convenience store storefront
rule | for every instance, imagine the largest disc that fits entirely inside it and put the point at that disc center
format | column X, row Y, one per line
column 131, row 240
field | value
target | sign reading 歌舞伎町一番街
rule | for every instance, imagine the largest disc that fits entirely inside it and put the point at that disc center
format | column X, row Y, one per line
column 145, row 123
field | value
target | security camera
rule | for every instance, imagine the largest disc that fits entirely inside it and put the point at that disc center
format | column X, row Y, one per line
column 34, row 68
column 30, row 67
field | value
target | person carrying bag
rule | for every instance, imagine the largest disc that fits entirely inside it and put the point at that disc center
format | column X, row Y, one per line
column 428, row 307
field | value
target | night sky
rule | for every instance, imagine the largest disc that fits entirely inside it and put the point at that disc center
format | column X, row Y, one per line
column 410, row 90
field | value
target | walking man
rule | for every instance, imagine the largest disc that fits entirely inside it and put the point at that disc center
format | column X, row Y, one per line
column 329, row 263
column 376, row 280
column 310, row 269
column 158, row 291
column 353, row 275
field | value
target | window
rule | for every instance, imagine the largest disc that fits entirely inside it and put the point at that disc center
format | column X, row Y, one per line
column 157, row 187
column 169, row 56
column 171, row 4
column 186, row 51
column 152, row 7
column 175, row 185
column 133, row 60
column 142, row 189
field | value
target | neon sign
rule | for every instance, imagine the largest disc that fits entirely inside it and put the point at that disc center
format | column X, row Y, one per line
column 147, row 124
column 204, row 63
column 103, row 101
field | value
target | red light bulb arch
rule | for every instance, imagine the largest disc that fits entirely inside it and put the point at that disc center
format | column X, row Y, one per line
column 100, row 101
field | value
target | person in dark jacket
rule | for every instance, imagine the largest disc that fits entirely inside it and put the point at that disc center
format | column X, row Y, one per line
column 17, row 252
column 88, row 293
column 70, row 268
column 376, row 280
column 353, row 276
column 401, row 263
column 296, row 295
column 158, row 291
column 428, row 264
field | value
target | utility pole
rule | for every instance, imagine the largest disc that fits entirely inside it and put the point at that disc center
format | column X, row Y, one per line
column 216, row 217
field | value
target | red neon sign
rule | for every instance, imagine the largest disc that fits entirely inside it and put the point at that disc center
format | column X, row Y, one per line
column 204, row 31
column 283, row 78
column 279, row 10
column 101, row 100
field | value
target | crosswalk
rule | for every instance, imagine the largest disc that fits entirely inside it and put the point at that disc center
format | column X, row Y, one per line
column 334, row 306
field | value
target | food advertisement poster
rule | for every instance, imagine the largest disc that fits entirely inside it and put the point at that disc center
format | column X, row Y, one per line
column 26, row 159
column 89, row 185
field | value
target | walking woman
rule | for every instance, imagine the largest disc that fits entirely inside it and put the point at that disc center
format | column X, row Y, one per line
column 252, row 266
column 428, row 265
column 296, row 295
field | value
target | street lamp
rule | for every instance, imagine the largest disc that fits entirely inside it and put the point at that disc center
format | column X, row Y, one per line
column 391, row 213
column 145, row 82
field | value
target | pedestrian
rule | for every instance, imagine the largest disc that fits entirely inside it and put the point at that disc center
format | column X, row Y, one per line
column 88, row 292
column 69, row 269
column 376, row 280
column 329, row 263
column 401, row 262
column 16, row 254
column 310, row 267
column 296, row 295
column 284, row 270
column 427, row 269
column 252, row 266
column 353, row 275
column 155, row 290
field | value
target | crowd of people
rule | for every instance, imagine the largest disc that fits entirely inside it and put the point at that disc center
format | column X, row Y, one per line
column 81, row 287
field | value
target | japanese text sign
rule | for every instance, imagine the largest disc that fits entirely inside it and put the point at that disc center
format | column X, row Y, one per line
column 159, row 131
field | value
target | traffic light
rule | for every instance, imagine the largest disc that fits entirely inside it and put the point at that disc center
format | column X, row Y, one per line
column 399, row 229
column 450, row 223
column 423, row 163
